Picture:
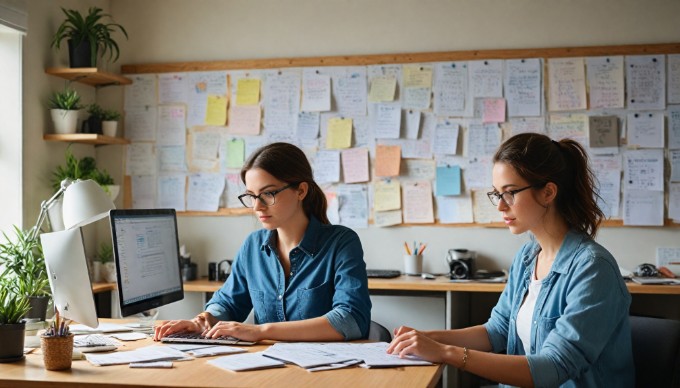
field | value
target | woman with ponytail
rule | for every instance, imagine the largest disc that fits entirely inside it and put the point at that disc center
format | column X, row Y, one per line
column 304, row 278
column 562, row 319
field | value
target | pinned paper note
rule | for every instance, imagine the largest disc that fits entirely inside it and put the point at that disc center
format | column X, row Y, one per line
column 604, row 131
column 248, row 91
column 567, row 84
column 494, row 110
column 216, row 112
column 355, row 165
column 382, row 89
column 245, row 120
column 417, row 76
column 387, row 160
column 339, row 133
column 316, row 92
column 448, row 180
column 235, row 153
column 386, row 195
column 418, row 207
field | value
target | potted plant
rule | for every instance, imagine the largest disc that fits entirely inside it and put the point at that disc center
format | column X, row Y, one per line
column 24, row 266
column 64, row 107
column 13, row 307
column 108, row 267
column 85, row 168
column 94, row 121
column 89, row 37
column 110, row 119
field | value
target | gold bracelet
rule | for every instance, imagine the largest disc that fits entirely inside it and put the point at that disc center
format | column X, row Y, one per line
column 465, row 357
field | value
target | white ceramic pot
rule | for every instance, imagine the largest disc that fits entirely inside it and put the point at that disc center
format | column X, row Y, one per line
column 96, row 271
column 65, row 121
column 110, row 127
column 109, row 272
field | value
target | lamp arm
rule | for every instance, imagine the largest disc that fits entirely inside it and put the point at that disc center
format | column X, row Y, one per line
column 45, row 205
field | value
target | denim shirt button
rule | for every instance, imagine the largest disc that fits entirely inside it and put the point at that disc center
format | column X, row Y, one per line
column 291, row 273
column 279, row 297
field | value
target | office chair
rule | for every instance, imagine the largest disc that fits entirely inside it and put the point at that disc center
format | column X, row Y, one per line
column 378, row 332
column 656, row 351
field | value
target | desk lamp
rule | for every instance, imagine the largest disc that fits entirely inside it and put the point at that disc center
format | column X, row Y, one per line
column 84, row 202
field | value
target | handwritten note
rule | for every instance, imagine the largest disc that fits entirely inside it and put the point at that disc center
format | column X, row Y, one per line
column 604, row 131
column 493, row 110
column 172, row 159
column 141, row 92
column 244, row 120
column 349, row 91
column 417, row 76
column 643, row 170
column 353, row 205
column 567, row 84
column 418, row 207
column 140, row 123
column 485, row 78
column 605, row 82
column 172, row 88
column 446, row 138
column 204, row 192
column 248, row 91
column 140, row 159
column 674, row 129
column 355, row 165
column 281, row 100
column 171, row 192
column 339, row 133
column 646, row 82
column 386, row 195
column 171, row 125
column 483, row 139
column 387, row 120
column 527, row 124
column 387, row 218
column 524, row 86
column 646, row 129
column 382, row 89
column 673, row 78
column 327, row 166
column 450, row 89
column 643, row 207
column 448, row 180
column 316, row 92
column 143, row 191
column 387, row 160
column 454, row 210
column 482, row 209
column 235, row 153
column 308, row 125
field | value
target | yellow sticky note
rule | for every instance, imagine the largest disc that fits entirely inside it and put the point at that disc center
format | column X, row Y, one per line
column 339, row 133
column 216, row 112
column 417, row 76
column 387, row 160
column 236, row 152
column 248, row 91
column 382, row 89
column 386, row 195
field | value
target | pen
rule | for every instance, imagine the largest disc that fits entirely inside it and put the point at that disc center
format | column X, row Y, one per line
column 422, row 249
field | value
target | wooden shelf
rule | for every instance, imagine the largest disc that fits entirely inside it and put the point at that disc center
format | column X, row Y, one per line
column 89, row 76
column 86, row 138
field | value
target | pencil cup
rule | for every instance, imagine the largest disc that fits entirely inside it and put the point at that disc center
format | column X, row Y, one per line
column 57, row 352
column 413, row 264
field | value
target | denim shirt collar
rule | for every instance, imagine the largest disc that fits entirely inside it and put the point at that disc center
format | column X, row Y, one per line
column 562, row 262
column 309, row 243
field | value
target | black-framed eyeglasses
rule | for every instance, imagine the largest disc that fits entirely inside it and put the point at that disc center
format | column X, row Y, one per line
column 268, row 198
column 507, row 196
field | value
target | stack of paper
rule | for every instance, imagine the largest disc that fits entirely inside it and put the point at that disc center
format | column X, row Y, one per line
column 246, row 361
column 145, row 354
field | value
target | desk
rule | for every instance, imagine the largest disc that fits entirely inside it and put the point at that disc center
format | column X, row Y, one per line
column 197, row 373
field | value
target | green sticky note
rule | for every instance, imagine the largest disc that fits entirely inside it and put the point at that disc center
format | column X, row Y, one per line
column 236, row 152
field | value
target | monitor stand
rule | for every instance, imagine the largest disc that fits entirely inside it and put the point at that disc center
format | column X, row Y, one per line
column 146, row 319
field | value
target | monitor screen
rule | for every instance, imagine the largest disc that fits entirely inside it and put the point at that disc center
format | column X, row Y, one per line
column 69, row 278
column 146, row 252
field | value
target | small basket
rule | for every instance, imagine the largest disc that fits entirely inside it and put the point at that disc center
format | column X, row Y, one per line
column 57, row 352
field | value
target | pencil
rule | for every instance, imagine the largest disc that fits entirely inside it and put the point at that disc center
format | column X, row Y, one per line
column 406, row 246
column 422, row 249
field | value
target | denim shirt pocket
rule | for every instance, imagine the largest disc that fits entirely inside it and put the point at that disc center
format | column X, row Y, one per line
column 543, row 328
column 259, row 305
column 315, row 302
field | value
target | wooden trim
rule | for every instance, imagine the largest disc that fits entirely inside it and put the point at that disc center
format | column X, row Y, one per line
column 378, row 59
column 89, row 76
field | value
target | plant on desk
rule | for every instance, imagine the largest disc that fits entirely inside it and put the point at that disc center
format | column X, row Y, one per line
column 13, row 307
column 85, row 168
column 24, row 267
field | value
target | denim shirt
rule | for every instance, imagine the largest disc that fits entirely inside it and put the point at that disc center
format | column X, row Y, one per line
column 327, row 278
column 580, row 335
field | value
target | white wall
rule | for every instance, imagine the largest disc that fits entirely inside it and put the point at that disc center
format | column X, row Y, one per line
column 198, row 30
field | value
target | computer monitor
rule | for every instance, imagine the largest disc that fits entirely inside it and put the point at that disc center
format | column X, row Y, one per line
column 146, row 252
column 69, row 277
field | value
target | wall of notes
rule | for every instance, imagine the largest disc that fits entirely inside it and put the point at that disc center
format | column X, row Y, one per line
column 408, row 143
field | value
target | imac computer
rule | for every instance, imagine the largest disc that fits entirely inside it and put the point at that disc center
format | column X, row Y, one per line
column 69, row 277
column 146, row 252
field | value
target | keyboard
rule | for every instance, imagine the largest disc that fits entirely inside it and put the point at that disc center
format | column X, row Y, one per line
column 382, row 273
column 196, row 338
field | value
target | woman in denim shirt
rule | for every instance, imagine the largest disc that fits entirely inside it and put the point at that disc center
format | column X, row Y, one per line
column 563, row 316
column 304, row 278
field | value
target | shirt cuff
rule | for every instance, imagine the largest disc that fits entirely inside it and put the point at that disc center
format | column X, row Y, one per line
column 345, row 324
column 218, row 312
column 543, row 371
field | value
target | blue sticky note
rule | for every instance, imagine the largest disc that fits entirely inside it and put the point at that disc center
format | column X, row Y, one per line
column 448, row 180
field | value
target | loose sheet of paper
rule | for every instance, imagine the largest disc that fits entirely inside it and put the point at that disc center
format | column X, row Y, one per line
column 567, row 84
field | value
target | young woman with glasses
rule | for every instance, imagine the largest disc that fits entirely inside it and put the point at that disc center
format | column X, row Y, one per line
column 304, row 278
column 562, row 319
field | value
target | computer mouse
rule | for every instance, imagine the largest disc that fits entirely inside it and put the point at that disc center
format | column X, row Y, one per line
column 427, row 276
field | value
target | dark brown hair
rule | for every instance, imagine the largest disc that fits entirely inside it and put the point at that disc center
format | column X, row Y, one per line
column 289, row 164
column 540, row 160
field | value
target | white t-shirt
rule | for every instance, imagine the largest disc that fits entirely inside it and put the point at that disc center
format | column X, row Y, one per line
column 525, row 315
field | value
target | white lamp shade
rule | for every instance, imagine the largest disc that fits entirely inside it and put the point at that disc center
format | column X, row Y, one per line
column 85, row 202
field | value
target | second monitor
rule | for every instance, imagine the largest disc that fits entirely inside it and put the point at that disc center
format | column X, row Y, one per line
column 146, row 252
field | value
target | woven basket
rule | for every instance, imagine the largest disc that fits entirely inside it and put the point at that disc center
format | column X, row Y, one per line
column 57, row 352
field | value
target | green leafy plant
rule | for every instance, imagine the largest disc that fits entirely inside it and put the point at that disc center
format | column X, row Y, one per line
column 67, row 99
column 93, row 29
column 105, row 252
column 85, row 168
column 13, row 305
column 96, row 111
column 24, row 264
column 110, row 115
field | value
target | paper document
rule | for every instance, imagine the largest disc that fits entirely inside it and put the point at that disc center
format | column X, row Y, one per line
column 146, row 354
column 102, row 328
column 307, row 355
column 246, row 361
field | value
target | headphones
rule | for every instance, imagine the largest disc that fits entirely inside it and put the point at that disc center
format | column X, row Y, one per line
column 646, row 270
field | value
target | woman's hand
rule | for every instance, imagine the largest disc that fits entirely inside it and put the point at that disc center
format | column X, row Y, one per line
column 410, row 341
column 239, row 330
column 200, row 324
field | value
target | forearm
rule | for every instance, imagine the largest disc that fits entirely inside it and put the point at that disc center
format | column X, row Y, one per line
column 314, row 329
column 474, row 337
column 503, row 368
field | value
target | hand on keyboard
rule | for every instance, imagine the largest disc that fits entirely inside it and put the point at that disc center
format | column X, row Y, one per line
column 196, row 338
